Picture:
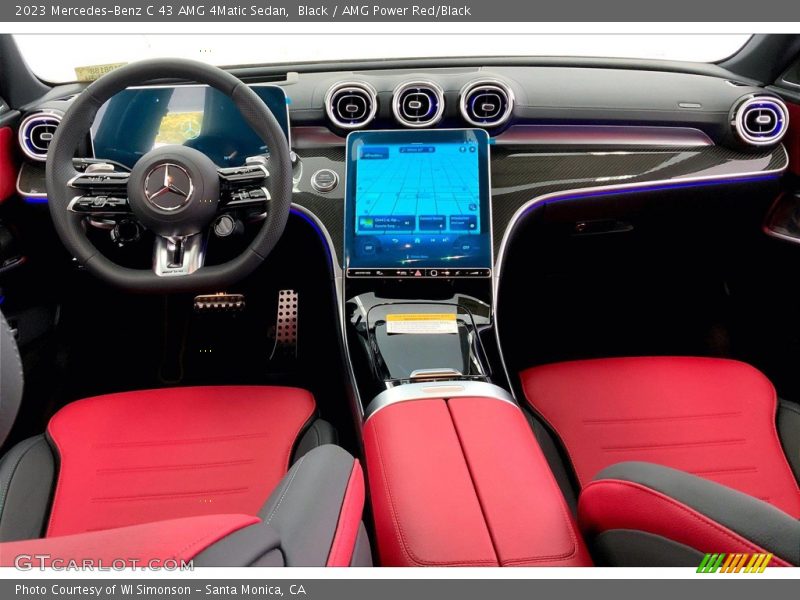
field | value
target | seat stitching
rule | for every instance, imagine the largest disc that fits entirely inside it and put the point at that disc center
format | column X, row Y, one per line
column 214, row 534
column 148, row 468
column 344, row 517
column 668, row 445
column 659, row 419
column 562, row 556
column 169, row 495
column 399, row 534
column 201, row 440
column 274, row 511
column 722, row 471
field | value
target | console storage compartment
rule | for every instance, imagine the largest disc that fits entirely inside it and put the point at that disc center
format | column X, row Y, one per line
column 461, row 481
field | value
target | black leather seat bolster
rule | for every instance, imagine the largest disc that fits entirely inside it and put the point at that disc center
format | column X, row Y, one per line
column 319, row 433
column 299, row 520
column 304, row 509
column 254, row 546
column 27, row 477
column 770, row 528
column 788, row 422
column 11, row 379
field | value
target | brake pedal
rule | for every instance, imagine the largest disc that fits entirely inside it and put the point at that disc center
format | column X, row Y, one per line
column 286, row 325
column 219, row 303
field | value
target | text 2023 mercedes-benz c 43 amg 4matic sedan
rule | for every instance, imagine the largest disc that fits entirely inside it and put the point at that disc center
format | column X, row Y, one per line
column 498, row 311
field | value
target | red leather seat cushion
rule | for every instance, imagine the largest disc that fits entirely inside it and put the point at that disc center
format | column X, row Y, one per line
column 711, row 417
column 150, row 544
column 146, row 456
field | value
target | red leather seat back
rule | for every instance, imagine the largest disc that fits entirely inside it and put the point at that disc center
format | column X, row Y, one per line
column 151, row 455
column 711, row 417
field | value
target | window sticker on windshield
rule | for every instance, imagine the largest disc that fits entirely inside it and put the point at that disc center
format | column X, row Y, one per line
column 422, row 323
column 93, row 72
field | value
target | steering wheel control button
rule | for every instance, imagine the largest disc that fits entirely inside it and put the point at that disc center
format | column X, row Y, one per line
column 254, row 173
column 99, row 205
column 126, row 232
column 226, row 226
column 325, row 180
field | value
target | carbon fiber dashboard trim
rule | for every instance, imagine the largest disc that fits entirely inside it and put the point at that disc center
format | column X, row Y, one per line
column 523, row 176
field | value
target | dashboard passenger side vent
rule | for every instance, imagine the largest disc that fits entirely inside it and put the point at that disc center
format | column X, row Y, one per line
column 351, row 104
column 761, row 120
column 36, row 132
column 486, row 103
column 418, row 104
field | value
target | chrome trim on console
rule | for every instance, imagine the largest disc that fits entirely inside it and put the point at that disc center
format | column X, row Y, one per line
column 409, row 392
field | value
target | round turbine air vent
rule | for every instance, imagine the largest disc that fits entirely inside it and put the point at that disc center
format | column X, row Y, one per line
column 486, row 103
column 36, row 132
column 351, row 104
column 418, row 103
column 761, row 120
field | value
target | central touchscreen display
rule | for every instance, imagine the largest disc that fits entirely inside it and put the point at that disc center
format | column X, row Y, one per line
column 418, row 204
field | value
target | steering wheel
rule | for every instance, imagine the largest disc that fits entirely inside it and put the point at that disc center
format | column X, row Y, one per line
column 173, row 191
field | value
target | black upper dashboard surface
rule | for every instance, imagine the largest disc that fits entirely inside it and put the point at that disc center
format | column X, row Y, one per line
column 542, row 94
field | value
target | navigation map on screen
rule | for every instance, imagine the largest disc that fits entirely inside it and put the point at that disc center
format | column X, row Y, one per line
column 418, row 200
column 418, row 189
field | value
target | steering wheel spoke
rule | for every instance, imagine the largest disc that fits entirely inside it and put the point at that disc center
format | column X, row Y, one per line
column 174, row 256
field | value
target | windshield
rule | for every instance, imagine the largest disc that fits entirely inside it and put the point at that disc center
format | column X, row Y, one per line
column 56, row 58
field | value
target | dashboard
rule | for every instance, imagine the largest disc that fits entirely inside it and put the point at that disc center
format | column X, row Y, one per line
column 560, row 133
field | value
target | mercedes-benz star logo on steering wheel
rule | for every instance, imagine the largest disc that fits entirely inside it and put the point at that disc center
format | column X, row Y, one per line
column 168, row 186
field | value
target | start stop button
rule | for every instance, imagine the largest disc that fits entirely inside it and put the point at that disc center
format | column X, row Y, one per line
column 325, row 180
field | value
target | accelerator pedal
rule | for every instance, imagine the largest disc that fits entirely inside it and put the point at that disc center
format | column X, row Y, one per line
column 286, row 325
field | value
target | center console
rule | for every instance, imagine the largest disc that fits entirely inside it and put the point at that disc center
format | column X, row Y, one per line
column 456, row 476
column 418, row 256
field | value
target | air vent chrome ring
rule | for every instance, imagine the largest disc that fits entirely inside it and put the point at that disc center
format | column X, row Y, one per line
column 486, row 103
column 36, row 132
column 351, row 104
column 418, row 104
column 761, row 120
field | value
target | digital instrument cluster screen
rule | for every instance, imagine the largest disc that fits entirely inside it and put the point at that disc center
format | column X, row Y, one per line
column 418, row 204
column 137, row 120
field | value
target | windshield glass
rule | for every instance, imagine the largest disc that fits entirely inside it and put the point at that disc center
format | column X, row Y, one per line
column 55, row 58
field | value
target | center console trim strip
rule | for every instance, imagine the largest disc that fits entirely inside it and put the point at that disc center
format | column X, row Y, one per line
column 439, row 389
